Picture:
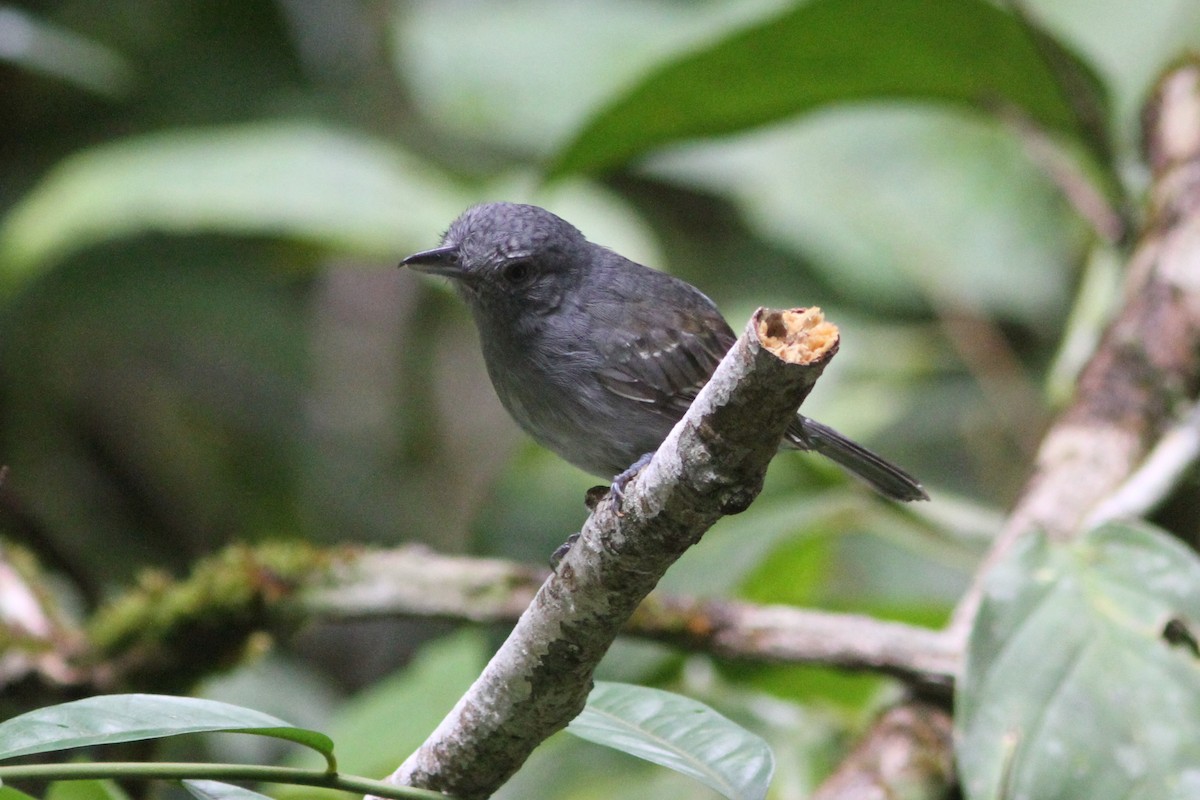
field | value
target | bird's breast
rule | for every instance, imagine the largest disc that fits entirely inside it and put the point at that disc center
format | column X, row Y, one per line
column 552, row 392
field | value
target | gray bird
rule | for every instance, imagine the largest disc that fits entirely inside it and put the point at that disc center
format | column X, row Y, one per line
column 597, row 357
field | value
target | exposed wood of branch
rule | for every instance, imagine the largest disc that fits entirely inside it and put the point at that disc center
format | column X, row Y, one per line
column 711, row 464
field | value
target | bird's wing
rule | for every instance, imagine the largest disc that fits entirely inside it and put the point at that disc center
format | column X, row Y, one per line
column 665, row 365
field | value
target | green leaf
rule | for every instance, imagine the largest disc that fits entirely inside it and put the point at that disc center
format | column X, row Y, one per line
column 1082, row 677
column 109, row 719
column 9, row 793
column 334, row 188
column 966, row 53
column 218, row 790
column 679, row 733
column 86, row 790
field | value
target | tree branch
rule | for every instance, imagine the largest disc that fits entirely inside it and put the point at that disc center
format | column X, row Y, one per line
column 927, row 659
column 414, row 581
column 149, row 637
column 1146, row 369
column 711, row 464
column 1141, row 379
column 909, row 752
column 1157, row 477
column 34, row 638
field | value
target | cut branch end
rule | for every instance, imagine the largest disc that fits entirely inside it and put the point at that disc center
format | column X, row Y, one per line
column 797, row 335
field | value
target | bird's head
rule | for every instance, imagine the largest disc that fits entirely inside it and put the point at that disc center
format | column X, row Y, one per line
column 510, row 262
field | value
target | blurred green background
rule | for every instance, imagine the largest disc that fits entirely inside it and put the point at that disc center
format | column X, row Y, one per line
column 203, row 337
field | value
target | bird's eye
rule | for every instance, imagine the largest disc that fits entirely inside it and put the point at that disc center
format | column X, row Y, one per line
column 518, row 272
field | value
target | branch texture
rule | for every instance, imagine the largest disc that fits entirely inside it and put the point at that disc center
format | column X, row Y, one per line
column 711, row 464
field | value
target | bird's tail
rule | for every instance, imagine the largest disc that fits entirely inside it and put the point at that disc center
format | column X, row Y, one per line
column 883, row 475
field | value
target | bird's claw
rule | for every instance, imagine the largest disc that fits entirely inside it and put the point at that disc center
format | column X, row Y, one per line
column 617, row 490
column 561, row 551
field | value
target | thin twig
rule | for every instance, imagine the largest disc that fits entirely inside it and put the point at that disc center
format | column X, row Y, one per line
column 1159, row 475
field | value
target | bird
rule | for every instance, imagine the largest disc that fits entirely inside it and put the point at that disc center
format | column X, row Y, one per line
column 595, row 356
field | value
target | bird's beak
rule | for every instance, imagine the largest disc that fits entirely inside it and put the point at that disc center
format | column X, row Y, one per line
column 438, row 261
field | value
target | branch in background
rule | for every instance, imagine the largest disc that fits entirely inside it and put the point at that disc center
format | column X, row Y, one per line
column 909, row 752
column 1157, row 477
column 1006, row 386
column 137, row 641
column 711, row 464
column 1067, row 173
column 34, row 640
column 1145, row 368
column 413, row 581
column 782, row 634
column 1104, row 206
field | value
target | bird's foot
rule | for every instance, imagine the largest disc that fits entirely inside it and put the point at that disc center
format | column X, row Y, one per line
column 617, row 490
column 593, row 497
column 561, row 551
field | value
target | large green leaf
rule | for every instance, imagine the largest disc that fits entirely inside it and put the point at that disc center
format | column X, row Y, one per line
column 308, row 182
column 964, row 52
column 679, row 733
column 109, row 719
column 1082, row 678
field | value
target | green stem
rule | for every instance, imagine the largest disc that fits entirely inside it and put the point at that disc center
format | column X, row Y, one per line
column 217, row 772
